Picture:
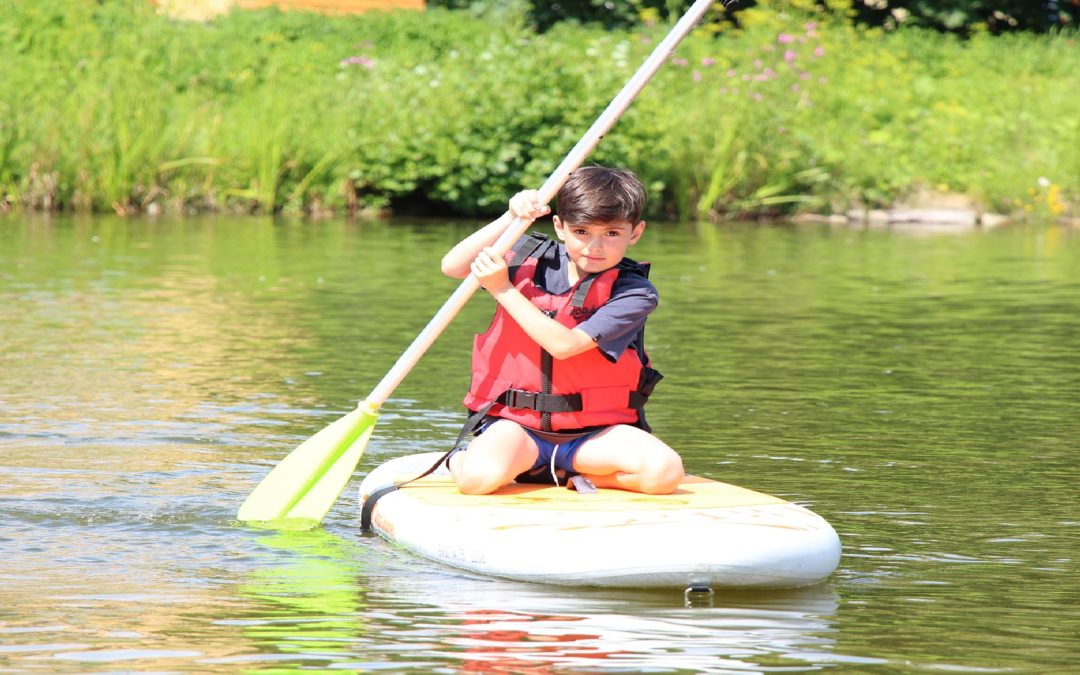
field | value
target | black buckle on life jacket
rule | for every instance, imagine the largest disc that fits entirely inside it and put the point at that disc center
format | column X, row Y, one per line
column 535, row 400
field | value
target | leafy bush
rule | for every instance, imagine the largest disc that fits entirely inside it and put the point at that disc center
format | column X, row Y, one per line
column 965, row 16
column 961, row 16
column 544, row 15
column 109, row 107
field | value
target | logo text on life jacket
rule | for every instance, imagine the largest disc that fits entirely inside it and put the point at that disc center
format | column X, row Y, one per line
column 579, row 314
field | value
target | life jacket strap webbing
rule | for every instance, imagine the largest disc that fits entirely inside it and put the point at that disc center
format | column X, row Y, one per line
column 527, row 247
column 541, row 402
column 578, row 300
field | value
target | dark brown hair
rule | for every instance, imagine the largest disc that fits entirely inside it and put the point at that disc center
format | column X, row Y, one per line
column 598, row 194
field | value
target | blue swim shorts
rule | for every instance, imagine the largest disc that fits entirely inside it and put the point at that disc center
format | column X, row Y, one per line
column 556, row 452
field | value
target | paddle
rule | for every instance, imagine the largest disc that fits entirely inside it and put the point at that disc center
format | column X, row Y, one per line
column 299, row 491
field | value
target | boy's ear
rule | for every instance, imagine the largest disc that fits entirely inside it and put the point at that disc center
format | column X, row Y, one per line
column 636, row 231
column 558, row 228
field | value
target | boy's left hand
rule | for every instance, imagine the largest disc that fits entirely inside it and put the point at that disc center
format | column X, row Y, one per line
column 490, row 270
column 526, row 204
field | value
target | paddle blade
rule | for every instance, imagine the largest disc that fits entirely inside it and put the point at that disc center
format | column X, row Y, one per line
column 300, row 490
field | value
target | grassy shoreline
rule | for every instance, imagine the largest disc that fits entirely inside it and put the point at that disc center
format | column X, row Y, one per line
column 113, row 108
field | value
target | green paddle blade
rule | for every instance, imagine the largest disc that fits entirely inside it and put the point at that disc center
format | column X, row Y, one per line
column 303, row 486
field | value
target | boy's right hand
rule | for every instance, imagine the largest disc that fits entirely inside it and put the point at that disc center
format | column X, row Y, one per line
column 490, row 270
column 525, row 204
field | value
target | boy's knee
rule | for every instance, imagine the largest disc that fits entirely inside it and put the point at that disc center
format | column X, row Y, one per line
column 487, row 464
column 472, row 485
column 662, row 475
column 477, row 482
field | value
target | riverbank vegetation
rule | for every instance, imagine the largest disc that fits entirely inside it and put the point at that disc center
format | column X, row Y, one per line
column 108, row 106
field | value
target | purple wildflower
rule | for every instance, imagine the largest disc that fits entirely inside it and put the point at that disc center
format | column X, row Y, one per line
column 358, row 61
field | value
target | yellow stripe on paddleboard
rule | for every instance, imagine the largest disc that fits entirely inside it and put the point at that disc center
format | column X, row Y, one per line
column 694, row 493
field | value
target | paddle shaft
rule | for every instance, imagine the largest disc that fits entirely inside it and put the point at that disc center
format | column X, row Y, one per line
column 547, row 191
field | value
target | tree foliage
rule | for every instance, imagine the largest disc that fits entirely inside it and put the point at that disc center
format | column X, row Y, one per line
column 956, row 16
column 963, row 16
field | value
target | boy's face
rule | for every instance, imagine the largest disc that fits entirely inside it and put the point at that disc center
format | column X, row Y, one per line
column 597, row 247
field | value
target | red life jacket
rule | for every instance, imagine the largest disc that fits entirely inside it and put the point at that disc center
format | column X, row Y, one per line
column 520, row 381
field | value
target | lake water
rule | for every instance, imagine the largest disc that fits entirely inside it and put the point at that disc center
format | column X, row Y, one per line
column 918, row 388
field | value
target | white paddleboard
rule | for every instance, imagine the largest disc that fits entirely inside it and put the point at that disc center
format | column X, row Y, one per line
column 707, row 533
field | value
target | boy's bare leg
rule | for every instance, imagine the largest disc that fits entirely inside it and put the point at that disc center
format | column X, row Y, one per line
column 629, row 458
column 494, row 458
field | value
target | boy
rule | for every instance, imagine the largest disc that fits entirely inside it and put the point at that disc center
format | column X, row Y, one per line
column 561, row 374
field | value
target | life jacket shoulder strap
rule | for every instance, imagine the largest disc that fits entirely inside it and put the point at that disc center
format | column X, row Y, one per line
column 535, row 246
column 626, row 266
column 582, row 291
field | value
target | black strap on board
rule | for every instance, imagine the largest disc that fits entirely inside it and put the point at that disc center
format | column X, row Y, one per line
column 368, row 508
column 369, row 504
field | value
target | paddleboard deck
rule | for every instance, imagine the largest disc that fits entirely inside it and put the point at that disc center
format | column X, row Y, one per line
column 706, row 533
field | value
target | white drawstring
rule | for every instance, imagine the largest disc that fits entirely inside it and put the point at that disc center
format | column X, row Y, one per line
column 554, row 476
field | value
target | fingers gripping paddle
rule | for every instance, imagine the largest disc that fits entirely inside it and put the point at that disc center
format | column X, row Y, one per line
column 300, row 490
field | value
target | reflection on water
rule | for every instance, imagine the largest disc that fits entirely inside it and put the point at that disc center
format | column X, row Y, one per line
column 918, row 391
column 325, row 605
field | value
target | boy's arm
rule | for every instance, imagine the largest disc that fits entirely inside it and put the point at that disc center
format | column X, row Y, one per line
column 457, row 261
column 556, row 339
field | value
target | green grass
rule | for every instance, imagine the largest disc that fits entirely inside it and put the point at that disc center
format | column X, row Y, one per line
column 110, row 107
